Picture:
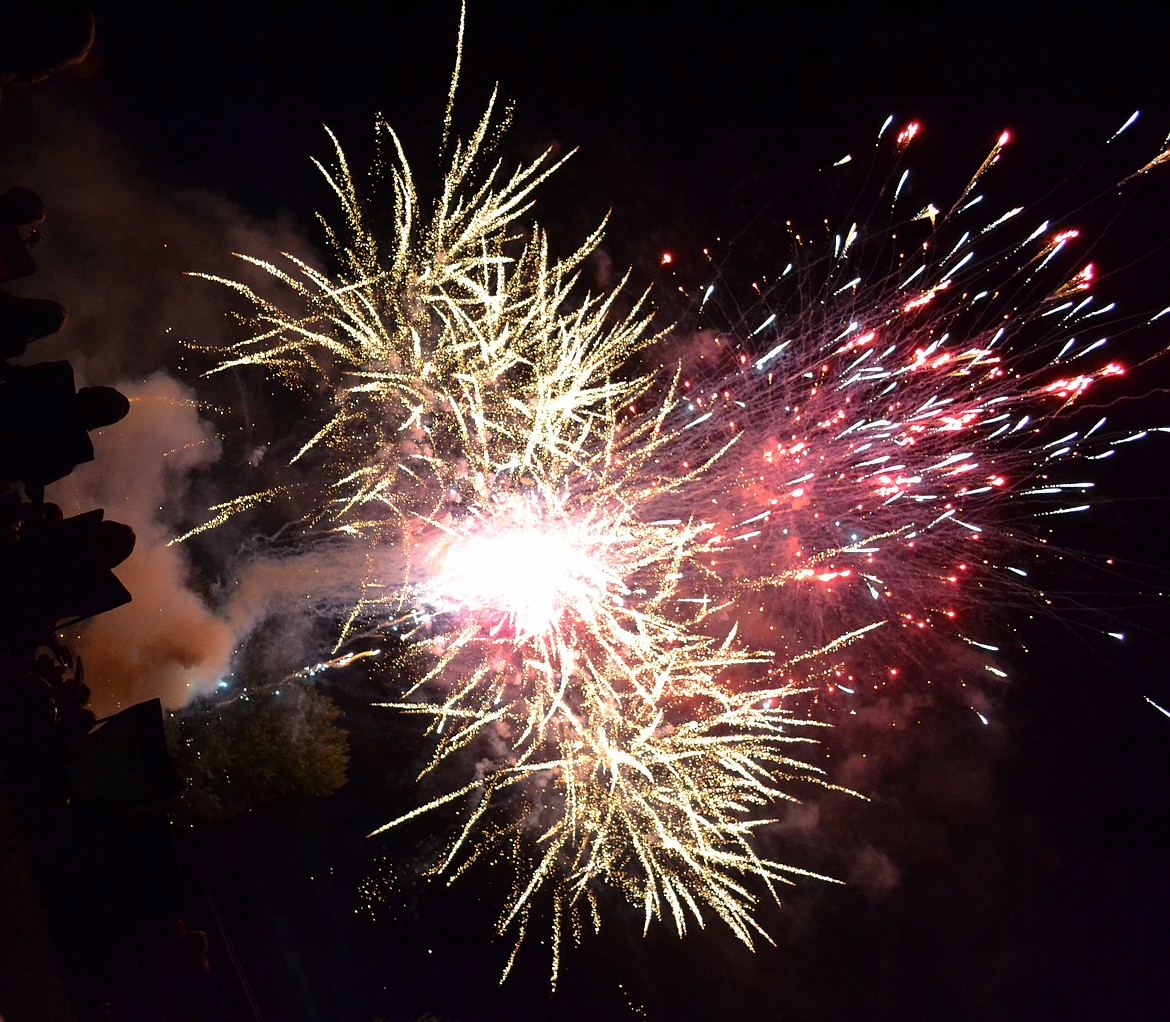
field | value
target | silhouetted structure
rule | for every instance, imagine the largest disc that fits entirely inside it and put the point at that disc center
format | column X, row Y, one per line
column 22, row 319
column 56, row 571
column 83, row 802
column 45, row 422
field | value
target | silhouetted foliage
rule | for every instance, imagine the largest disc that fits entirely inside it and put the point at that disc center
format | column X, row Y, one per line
column 257, row 747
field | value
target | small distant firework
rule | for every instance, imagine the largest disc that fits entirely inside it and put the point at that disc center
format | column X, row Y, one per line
column 615, row 581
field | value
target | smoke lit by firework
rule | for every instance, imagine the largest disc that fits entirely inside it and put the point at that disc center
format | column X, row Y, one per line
column 614, row 570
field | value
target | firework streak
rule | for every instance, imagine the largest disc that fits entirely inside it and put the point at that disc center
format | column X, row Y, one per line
column 614, row 581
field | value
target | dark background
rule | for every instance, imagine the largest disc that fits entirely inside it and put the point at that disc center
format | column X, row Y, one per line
column 1029, row 857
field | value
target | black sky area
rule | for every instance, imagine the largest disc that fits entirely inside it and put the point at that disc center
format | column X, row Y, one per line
column 1031, row 855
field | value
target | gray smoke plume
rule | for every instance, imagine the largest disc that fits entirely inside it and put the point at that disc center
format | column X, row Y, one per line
column 114, row 250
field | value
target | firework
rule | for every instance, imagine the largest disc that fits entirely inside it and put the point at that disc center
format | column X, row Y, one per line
column 614, row 582
column 911, row 404
column 526, row 542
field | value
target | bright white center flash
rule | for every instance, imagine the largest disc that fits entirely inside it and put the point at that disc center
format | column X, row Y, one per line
column 528, row 575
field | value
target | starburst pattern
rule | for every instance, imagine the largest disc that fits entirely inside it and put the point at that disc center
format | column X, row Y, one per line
column 615, row 580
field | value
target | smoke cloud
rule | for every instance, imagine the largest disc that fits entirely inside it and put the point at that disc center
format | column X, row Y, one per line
column 115, row 249
column 167, row 642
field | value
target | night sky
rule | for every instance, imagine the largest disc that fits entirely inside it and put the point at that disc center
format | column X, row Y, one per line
column 1018, row 870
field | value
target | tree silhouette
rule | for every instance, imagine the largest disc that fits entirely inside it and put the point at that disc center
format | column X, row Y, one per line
column 256, row 748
